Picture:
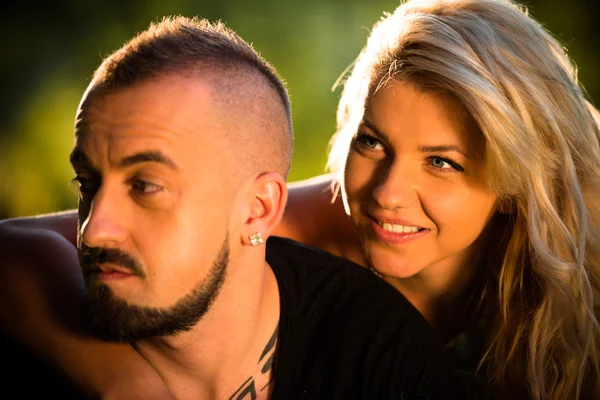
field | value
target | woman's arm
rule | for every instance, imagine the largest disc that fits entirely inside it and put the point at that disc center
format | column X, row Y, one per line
column 40, row 297
column 63, row 223
column 316, row 217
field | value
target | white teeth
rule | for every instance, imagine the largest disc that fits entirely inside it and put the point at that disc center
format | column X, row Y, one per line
column 397, row 228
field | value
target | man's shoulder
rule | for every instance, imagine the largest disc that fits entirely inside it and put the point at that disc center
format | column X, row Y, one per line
column 286, row 251
column 307, row 270
column 345, row 333
column 311, row 278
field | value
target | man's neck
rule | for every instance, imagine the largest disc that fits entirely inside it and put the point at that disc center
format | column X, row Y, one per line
column 229, row 353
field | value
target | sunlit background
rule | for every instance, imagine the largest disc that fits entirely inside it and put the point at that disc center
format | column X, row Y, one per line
column 50, row 51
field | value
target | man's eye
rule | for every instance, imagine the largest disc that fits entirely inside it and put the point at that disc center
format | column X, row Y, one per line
column 144, row 187
column 85, row 185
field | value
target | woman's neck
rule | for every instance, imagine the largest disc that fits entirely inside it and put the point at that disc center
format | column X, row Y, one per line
column 442, row 307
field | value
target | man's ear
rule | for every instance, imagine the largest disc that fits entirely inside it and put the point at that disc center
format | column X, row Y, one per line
column 267, row 200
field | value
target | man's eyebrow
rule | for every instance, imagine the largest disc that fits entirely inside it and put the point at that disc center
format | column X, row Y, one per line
column 147, row 156
column 442, row 148
column 79, row 157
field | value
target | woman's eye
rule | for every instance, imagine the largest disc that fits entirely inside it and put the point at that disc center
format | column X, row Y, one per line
column 440, row 163
column 369, row 142
column 445, row 164
column 145, row 187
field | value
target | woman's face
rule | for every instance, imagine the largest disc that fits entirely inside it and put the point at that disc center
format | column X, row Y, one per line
column 415, row 183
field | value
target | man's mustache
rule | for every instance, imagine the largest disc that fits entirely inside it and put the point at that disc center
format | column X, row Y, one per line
column 92, row 257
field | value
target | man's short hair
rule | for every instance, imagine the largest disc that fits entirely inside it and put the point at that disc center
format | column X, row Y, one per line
column 193, row 46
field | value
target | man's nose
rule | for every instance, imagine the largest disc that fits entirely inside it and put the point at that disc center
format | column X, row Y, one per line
column 104, row 225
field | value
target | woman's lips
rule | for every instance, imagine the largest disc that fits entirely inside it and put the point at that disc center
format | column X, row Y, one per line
column 396, row 233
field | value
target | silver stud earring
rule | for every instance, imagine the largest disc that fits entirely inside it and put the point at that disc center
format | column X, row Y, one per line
column 256, row 239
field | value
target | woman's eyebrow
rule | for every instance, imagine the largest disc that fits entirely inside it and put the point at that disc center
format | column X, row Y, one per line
column 372, row 127
column 442, row 148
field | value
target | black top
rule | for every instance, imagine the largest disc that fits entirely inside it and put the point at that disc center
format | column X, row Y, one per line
column 346, row 334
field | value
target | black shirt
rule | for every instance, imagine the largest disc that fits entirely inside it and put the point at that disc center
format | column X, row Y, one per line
column 346, row 334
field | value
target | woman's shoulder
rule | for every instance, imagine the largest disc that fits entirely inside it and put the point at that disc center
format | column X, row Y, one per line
column 314, row 215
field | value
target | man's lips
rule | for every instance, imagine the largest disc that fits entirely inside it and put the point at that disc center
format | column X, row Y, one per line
column 110, row 269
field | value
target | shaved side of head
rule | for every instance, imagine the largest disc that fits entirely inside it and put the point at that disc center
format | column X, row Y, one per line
column 260, row 134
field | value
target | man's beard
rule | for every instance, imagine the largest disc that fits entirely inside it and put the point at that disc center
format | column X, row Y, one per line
column 114, row 320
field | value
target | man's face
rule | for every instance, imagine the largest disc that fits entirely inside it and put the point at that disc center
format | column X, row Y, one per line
column 155, row 206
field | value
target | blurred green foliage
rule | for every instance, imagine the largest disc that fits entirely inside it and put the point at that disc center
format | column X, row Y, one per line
column 50, row 50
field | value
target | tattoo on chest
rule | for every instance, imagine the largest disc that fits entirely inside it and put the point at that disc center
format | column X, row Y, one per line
column 248, row 391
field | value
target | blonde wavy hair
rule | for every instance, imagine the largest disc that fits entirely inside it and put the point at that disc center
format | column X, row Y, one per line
column 541, row 292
